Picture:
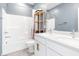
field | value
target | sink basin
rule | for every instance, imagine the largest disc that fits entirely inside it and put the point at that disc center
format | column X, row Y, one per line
column 54, row 35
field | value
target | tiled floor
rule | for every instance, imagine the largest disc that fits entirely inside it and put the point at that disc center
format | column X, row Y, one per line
column 23, row 52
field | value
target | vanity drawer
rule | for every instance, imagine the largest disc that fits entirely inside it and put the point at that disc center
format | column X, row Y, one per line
column 51, row 52
column 62, row 49
column 40, row 39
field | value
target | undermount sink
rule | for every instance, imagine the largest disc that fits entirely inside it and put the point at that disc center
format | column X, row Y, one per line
column 60, row 34
column 55, row 35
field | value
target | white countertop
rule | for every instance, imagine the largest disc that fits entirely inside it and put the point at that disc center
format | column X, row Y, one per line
column 63, row 39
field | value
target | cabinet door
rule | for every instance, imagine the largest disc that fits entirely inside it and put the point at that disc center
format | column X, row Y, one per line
column 35, row 51
column 40, row 49
column 51, row 52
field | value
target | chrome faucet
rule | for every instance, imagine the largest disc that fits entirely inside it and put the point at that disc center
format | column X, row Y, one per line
column 73, row 34
column 50, row 30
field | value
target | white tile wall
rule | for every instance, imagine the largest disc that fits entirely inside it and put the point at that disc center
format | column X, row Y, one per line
column 19, row 30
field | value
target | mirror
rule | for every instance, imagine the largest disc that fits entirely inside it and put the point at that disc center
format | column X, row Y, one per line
column 50, row 21
column 65, row 16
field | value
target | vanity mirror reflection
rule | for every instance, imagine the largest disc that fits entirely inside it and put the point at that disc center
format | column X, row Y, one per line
column 50, row 23
column 65, row 16
column 63, row 19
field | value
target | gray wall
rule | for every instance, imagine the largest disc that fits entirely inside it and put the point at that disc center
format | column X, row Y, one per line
column 13, row 8
column 0, row 30
column 66, row 16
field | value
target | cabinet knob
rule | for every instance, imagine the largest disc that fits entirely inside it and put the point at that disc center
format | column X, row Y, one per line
column 7, row 36
column 6, row 42
column 37, row 46
column 6, row 32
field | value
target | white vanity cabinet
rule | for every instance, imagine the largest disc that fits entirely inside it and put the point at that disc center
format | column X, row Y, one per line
column 61, row 49
column 50, row 47
column 40, row 48
column 51, row 52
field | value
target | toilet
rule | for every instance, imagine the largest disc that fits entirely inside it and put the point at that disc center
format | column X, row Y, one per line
column 30, row 46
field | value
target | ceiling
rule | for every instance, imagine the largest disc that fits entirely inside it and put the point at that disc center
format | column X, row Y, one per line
column 45, row 6
column 31, row 4
column 52, row 5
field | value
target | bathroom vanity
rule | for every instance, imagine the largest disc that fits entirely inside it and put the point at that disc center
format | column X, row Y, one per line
column 56, row 45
